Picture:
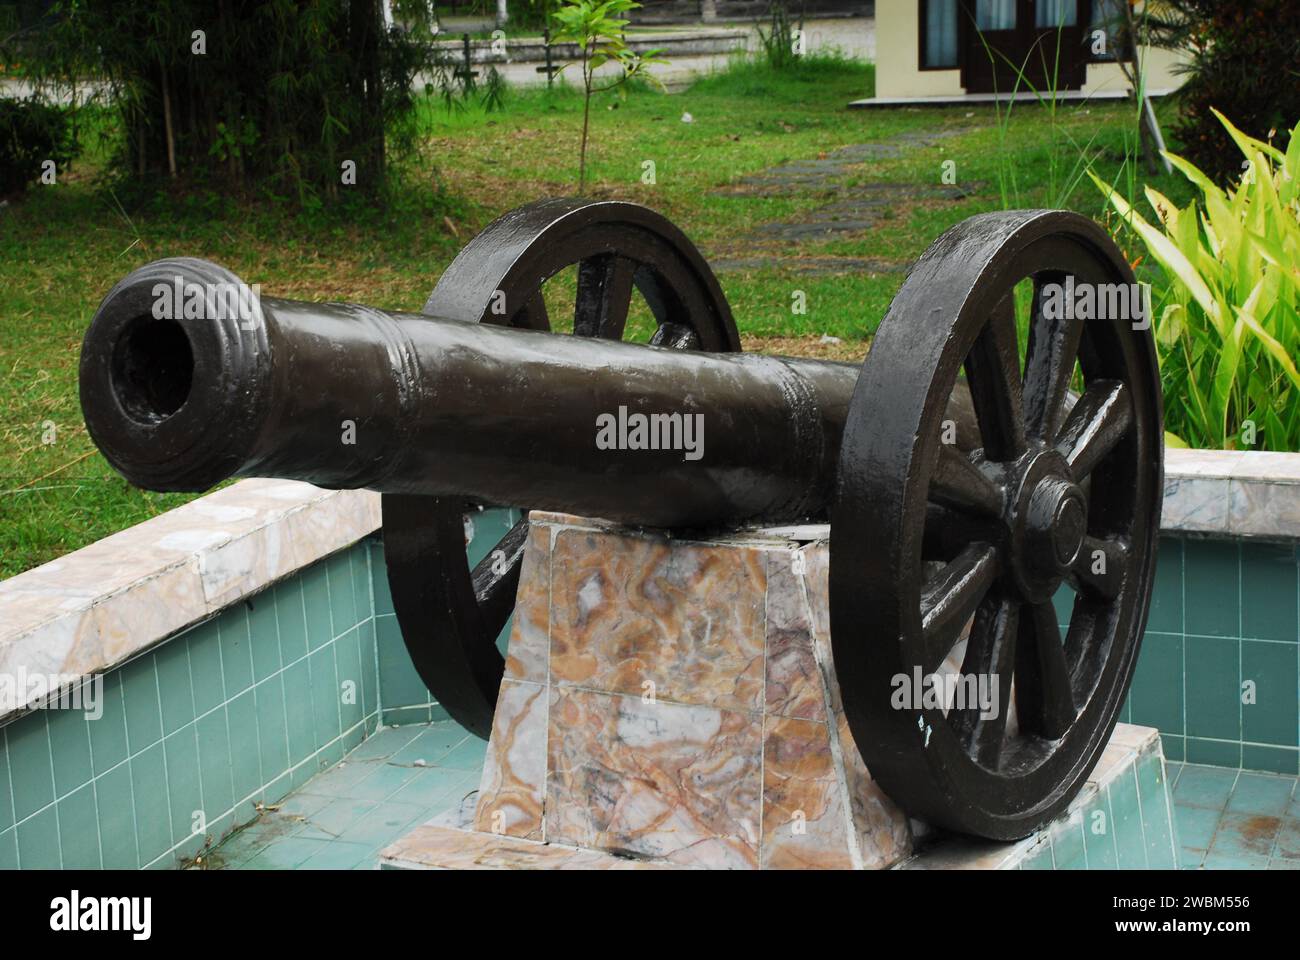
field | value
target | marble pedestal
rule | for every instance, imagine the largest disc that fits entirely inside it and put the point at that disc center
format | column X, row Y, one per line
column 669, row 703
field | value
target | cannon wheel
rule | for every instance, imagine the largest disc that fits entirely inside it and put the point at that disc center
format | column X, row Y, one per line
column 940, row 557
column 449, row 615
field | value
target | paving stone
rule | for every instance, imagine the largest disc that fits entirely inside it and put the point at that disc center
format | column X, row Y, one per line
column 853, row 208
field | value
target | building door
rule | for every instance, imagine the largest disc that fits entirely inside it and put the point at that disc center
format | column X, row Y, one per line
column 1022, row 45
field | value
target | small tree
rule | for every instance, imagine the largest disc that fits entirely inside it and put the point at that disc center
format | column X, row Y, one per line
column 783, row 42
column 601, row 38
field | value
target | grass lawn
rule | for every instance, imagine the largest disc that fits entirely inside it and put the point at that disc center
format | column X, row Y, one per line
column 63, row 247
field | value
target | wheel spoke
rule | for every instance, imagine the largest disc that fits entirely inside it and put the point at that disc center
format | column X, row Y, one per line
column 496, row 579
column 1044, row 697
column 604, row 295
column 1049, row 364
column 951, row 598
column 959, row 484
column 990, row 652
column 1095, row 426
column 1101, row 566
column 676, row 336
column 993, row 373
column 949, row 531
column 532, row 315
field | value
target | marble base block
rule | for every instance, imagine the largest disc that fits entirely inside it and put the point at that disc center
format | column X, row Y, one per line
column 669, row 703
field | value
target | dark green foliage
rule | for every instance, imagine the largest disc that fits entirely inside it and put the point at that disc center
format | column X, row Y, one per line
column 32, row 132
column 282, row 96
column 1245, row 62
column 527, row 15
column 494, row 90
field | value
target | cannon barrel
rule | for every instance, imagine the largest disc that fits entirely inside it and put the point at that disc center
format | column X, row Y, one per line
column 184, row 386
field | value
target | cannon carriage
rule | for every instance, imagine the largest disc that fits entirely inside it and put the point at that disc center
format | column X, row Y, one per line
column 966, row 483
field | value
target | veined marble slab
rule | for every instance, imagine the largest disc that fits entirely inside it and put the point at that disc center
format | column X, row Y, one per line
column 1231, row 493
column 435, row 847
column 673, row 701
column 1133, row 754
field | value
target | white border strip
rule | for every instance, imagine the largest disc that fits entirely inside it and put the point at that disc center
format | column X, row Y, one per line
column 99, row 606
column 1230, row 493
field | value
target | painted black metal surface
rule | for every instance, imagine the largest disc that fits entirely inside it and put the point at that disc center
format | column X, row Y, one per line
column 926, row 538
column 456, row 408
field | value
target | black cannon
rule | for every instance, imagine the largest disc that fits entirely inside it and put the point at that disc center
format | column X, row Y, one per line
column 964, row 485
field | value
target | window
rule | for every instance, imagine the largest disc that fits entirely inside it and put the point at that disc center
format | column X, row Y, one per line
column 938, row 34
column 1106, row 33
column 995, row 14
column 1052, row 14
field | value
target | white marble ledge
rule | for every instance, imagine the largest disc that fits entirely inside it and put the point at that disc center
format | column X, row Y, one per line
column 97, row 607
column 1232, row 493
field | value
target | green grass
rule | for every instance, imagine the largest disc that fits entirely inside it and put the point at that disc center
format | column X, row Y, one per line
column 63, row 247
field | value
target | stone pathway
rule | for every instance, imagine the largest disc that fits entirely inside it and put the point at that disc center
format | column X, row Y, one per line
column 851, row 208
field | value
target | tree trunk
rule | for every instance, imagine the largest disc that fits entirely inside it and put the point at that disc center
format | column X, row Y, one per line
column 167, row 124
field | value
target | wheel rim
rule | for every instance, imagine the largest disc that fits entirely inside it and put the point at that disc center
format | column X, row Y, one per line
column 926, row 539
column 450, row 615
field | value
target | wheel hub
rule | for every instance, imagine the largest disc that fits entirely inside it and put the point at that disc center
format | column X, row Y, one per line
column 1048, row 520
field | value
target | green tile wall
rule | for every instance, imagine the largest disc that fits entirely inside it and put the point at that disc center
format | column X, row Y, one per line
column 1127, row 825
column 1223, row 612
column 240, row 709
column 1219, row 672
column 231, row 713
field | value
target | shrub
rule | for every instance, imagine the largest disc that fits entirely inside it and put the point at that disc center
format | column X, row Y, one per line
column 1243, row 64
column 1226, row 320
column 31, row 132
column 305, row 98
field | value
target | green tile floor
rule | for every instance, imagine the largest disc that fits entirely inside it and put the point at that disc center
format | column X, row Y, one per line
column 404, row 776
column 1235, row 819
column 341, row 818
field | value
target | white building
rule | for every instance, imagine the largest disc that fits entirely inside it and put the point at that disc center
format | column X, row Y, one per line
column 953, row 50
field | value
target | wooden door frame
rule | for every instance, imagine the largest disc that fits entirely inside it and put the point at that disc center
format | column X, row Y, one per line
column 1073, row 72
